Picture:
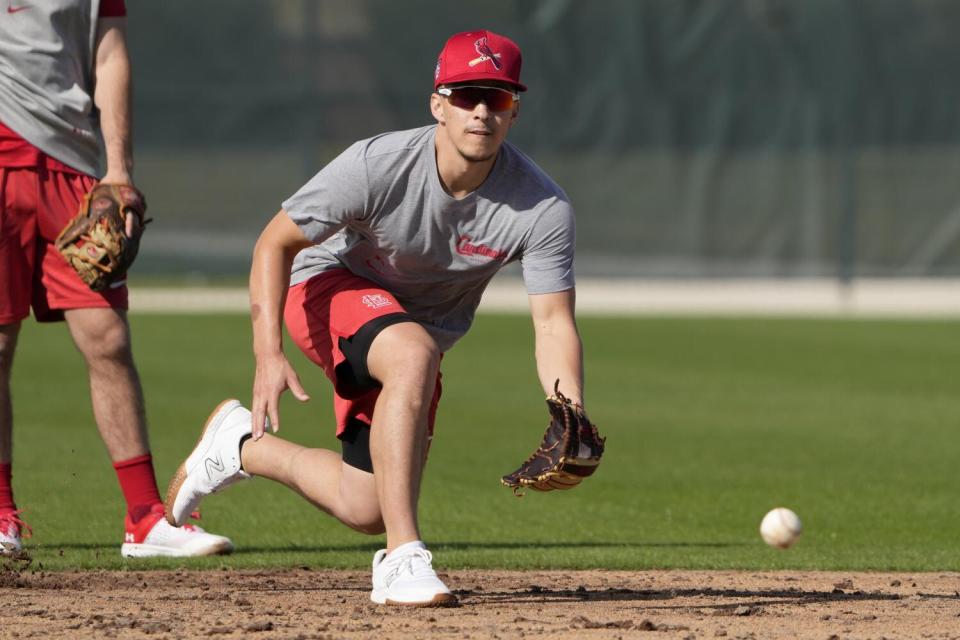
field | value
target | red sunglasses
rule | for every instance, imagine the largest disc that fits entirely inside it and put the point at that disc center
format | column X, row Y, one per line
column 468, row 97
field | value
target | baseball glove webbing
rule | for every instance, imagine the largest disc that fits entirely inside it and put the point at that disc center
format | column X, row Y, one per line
column 570, row 451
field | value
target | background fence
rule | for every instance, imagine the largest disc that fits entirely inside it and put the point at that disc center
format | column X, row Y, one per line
column 711, row 138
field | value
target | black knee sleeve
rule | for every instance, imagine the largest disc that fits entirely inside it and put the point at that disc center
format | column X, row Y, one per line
column 355, row 442
column 353, row 377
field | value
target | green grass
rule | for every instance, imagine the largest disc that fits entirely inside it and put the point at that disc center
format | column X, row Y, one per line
column 710, row 423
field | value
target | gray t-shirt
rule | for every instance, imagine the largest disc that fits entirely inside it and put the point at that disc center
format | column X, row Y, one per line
column 379, row 210
column 46, row 78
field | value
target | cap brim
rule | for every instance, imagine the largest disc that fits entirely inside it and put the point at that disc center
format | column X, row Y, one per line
column 467, row 77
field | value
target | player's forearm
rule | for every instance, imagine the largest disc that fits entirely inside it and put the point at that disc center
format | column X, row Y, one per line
column 273, row 256
column 269, row 280
column 112, row 95
column 559, row 354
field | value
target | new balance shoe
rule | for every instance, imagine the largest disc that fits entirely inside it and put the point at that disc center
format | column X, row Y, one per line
column 12, row 529
column 405, row 576
column 213, row 465
column 152, row 536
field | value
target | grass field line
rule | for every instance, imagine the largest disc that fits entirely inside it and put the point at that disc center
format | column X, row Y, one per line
column 880, row 298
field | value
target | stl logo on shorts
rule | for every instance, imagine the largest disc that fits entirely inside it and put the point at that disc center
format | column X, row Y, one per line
column 376, row 300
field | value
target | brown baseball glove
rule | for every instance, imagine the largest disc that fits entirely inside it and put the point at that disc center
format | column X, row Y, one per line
column 95, row 242
column 570, row 451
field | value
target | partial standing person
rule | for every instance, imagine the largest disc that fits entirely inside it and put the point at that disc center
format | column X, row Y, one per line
column 376, row 266
column 64, row 86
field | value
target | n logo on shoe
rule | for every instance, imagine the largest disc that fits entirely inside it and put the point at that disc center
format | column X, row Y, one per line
column 213, row 465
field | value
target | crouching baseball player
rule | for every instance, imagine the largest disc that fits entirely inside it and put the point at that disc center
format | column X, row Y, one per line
column 376, row 266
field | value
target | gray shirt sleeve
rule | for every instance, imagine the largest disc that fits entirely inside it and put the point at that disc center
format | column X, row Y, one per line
column 333, row 198
column 547, row 260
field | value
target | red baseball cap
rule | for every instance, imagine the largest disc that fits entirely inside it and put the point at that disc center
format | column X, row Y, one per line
column 478, row 55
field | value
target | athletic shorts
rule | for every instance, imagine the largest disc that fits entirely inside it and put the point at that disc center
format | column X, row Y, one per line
column 35, row 204
column 333, row 317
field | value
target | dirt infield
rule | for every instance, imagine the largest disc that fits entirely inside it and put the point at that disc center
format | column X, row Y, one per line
column 493, row 604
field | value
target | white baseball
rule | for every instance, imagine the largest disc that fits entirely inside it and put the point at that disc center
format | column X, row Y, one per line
column 780, row 528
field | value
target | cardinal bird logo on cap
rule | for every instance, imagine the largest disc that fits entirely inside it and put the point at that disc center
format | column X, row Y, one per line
column 486, row 53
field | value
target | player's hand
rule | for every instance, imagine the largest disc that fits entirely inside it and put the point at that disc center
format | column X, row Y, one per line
column 273, row 376
column 134, row 224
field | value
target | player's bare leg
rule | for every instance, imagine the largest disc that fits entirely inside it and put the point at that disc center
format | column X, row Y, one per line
column 103, row 337
column 226, row 454
column 8, row 345
column 321, row 477
column 11, row 526
column 405, row 360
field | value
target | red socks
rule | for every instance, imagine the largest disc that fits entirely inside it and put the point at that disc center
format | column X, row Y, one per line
column 139, row 485
column 6, row 488
column 137, row 481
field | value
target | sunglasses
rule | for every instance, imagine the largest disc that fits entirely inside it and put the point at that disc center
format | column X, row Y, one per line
column 468, row 97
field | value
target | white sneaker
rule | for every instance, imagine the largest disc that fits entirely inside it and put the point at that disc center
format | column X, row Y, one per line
column 152, row 537
column 11, row 530
column 213, row 465
column 406, row 577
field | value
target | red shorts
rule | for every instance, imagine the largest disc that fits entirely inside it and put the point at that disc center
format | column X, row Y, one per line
column 334, row 305
column 35, row 204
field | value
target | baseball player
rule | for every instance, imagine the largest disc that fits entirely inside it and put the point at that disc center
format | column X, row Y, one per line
column 377, row 265
column 62, row 62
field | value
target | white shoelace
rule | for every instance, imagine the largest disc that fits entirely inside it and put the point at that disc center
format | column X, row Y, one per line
column 417, row 563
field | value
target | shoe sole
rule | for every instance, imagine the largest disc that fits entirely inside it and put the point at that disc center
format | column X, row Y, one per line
column 131, row 550
column 181, row 475
column 439, row 600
